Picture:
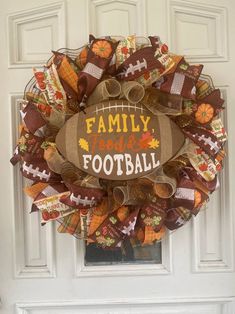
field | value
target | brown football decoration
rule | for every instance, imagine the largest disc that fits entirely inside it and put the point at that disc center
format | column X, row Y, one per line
column 118, row 140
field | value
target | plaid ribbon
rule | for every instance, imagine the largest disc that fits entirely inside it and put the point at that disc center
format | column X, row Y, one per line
column 70, row 224
column 151, row 236
column 66, row 71
column 35, row 189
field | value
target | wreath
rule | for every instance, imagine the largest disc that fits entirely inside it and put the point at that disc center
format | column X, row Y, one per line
column 121, row 140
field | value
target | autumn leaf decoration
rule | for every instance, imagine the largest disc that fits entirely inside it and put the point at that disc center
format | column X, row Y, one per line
column 83, row 144
column 145, row 139
column 148, row 141
column 154, row 143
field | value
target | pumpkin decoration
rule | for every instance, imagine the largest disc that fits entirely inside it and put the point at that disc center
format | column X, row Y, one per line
column 204, row 113
column 102, row 48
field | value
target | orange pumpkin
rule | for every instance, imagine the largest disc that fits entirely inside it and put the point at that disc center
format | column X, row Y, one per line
column 102, row 48
column 204, row 113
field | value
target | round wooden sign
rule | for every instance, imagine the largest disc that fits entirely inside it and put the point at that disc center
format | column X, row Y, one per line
column 118, row 140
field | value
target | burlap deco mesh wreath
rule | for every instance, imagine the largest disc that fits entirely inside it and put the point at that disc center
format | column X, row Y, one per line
column 121, row 139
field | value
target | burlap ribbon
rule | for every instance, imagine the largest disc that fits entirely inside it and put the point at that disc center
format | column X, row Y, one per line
column 111, row 88
column 157, row 101
column 135, row 192
column 91, row 182
column 164, row 186
column 132, row 91
column 56, row 118
column 124, row 195
column 106, row 89
column 54, row 159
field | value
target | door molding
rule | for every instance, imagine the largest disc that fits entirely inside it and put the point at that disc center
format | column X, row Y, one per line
column 33, row 251
column 165, row 268
column 213, row 249
column 213, row 305
column 211, row 20
column 48, row 21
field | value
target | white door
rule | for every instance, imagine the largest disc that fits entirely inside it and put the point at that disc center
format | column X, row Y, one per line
column 42, row 271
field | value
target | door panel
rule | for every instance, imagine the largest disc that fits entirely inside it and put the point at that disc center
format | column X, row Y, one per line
column 43, row 271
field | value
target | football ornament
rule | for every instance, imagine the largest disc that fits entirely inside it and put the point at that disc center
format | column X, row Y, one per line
column 117, row 140
column 121, row 140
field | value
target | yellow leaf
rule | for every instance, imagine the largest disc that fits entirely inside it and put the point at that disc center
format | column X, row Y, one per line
column 154, row 143
column 83, row 144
